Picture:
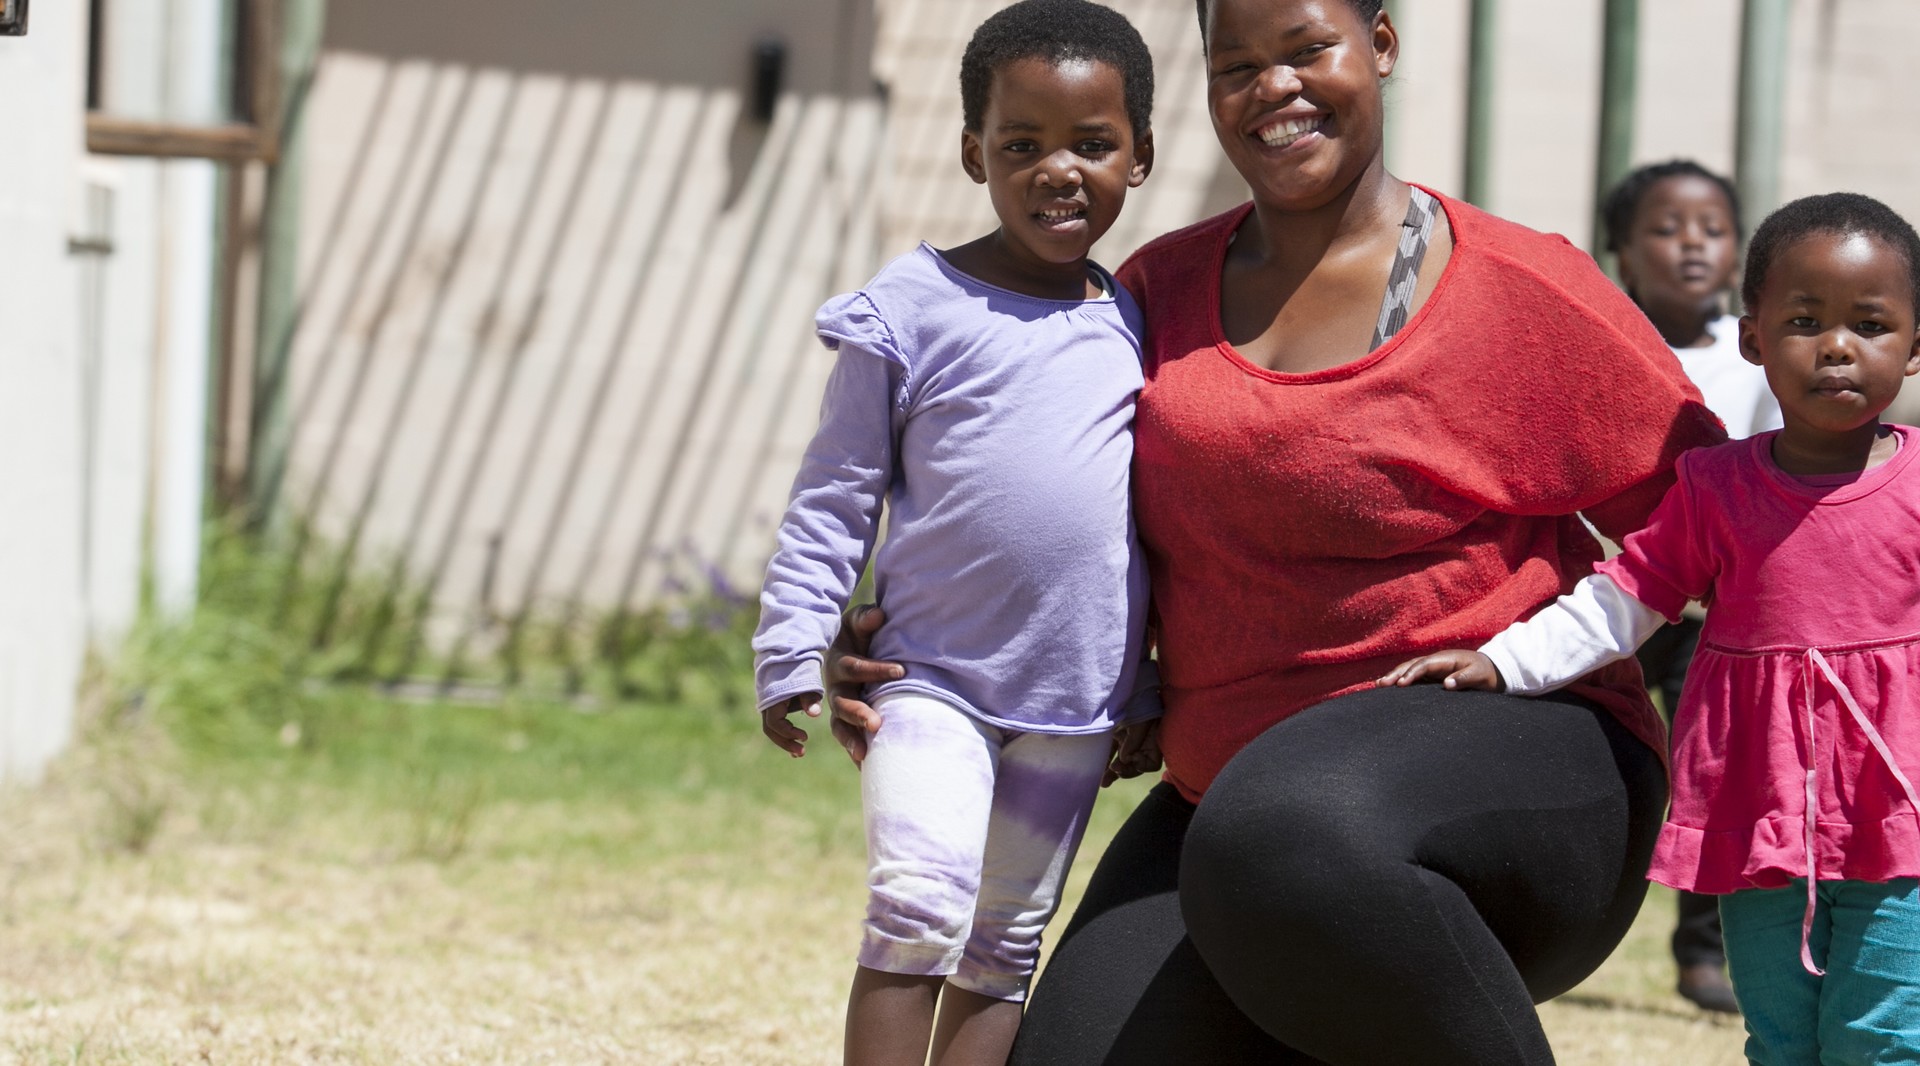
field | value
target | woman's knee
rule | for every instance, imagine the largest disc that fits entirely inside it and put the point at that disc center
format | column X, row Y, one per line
column 1280, row 849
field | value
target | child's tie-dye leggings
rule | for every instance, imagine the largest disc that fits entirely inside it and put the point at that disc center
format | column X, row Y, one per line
column 970, row 830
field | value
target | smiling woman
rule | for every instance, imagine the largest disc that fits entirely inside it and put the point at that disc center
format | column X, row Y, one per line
column 1373, row 418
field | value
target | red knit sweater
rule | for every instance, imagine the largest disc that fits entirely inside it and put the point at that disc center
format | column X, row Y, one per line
column 1305, row 532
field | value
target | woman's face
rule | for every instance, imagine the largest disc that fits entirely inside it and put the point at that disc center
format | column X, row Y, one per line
column 1294, row 89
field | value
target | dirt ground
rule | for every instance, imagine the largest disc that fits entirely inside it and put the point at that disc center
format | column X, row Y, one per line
column 154, row 918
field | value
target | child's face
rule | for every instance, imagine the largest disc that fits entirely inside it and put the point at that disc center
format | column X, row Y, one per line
column 1682, row 250
column 1057, row 154
column 1834, row 328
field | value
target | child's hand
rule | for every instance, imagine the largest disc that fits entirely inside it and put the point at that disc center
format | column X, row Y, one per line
column 785, row 735
column 1136, row 751
column 1457, row 668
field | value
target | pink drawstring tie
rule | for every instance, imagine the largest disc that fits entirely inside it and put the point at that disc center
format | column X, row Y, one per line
column 1815, row 660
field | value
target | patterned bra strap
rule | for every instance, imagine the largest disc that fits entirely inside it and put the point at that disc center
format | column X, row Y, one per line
column 1416, row 232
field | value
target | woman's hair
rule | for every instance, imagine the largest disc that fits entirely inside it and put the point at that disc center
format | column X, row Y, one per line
column 1058, row 31
column 1833, row 214
column 1366, row 9
column 1623, row 202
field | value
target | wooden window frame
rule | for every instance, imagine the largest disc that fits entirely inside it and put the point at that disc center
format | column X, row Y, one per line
column 253, row 136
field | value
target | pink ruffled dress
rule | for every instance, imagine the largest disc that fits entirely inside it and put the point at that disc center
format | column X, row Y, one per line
column 1805, row 693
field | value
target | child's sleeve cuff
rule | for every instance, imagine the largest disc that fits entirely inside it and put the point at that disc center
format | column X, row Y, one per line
column 778, row 682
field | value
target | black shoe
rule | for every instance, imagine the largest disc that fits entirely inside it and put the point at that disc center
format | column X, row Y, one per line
column 1705, row 985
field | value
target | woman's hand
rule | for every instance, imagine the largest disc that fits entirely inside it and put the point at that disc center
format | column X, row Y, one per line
column 1136, row 751
column 1457, row 668
column 848, row 670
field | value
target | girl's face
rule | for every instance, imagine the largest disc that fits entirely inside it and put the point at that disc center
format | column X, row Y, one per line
column 1057, row 154
column 1681, row 251
column 1835, row 330
column 1294, row 89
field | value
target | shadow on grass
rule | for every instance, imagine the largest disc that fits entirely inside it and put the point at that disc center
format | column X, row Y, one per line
column 1600, row 1001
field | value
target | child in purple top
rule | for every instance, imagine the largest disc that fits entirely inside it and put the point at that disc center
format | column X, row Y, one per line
column 985, row 394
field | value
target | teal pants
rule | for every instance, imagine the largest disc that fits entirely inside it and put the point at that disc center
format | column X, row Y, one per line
column 1865, row 1011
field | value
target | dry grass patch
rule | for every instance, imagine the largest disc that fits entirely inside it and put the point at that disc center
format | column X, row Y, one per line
column 411, row 884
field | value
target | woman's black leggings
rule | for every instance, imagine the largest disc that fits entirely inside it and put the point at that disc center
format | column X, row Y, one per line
column 1391, row 877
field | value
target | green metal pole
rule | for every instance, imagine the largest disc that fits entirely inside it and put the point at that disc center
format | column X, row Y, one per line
column 1619, row 81
column 271, row 429
column 1478, row 171
column 1763, row 82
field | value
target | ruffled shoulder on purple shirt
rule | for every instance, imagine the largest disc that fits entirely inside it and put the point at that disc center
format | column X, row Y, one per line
column 855, row 320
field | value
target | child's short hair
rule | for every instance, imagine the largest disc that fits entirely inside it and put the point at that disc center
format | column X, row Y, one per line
column 1058, row 31
column 1623, row 201
column 1366, row 9
column 1837, row 214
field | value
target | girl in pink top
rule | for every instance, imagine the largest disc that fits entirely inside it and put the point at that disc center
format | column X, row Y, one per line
column 1797, row 740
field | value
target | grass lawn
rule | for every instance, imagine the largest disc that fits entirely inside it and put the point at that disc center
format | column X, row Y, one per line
column 270, row 875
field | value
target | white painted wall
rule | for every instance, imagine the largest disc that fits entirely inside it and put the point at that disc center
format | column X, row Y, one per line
column 146, row 474
column 119, row 294
column 1851, row 100
column 555, row 285
column 192, row 61
column 452, row 144
column 41, row 621
column 104, row 355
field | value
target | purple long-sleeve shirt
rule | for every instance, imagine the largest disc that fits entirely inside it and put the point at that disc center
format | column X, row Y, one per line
column 997, row 429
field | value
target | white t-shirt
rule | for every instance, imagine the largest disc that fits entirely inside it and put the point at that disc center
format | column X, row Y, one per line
column 1734, row 389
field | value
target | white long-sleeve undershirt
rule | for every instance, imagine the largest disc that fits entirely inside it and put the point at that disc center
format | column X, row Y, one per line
column 1595, row 624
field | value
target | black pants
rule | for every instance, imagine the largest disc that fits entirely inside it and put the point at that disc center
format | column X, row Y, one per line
column 1391, row 877
column 1664, row 659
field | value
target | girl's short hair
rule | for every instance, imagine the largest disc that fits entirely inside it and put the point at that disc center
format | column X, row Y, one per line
column 1058, row 31
column 1833, row 214
column 1366, row 9
column 1623, row 201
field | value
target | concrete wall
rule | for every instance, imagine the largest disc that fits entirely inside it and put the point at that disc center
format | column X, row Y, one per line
column 41, row 620
column 704, row 44
column 102, row 258
column 1847, row 96
column 1851, row 100
column 555, row 340
column 554, row 289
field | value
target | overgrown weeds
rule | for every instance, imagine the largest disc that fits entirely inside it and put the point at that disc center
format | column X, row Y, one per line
column 249, row 705
column 441, row 813
column 134, row 764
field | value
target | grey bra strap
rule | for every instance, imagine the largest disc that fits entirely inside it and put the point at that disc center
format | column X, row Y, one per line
column 1416, row 232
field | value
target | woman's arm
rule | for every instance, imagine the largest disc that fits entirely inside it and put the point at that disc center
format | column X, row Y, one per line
column 848, row 672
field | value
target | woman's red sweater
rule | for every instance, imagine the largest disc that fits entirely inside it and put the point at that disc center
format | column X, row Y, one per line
column 1306, row 532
